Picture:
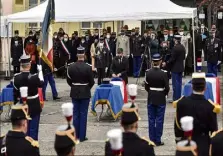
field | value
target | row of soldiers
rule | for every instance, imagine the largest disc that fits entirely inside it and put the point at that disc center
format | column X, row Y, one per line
column 191, row 130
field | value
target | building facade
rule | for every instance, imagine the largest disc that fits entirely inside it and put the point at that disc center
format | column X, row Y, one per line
column 81, row 27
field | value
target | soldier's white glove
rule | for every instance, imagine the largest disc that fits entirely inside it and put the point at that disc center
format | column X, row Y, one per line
column 10, row 60
column 142, row 56
column 39, row 68
column 132, row 55
column 142, row 45
column 106, row 69
column 40, row 75
column 219, row 62
column 55, row 69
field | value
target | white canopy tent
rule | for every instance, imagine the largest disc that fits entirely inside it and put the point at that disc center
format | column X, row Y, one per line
column 99, row 10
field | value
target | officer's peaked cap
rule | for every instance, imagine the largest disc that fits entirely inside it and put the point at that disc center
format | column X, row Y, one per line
column 65, row 139
column 156, row 57
column 129, row 114
column 19, row 112
column 178, row 37
column 198, row 80
column 25, row 59
column 80, row 50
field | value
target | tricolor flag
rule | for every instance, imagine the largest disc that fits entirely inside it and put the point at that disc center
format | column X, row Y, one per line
column 46, row 53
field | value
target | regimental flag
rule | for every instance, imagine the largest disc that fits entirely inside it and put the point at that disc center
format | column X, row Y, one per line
column 46, row 53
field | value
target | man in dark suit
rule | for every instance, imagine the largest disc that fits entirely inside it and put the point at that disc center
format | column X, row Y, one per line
column 16, row 51
column 176, row 65
column 110, row 44
column 120, row 66
column 75, row 42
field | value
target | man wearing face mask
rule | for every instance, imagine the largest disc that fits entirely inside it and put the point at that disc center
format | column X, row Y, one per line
column 110, row 46
column 64, row 54
column 213, row 51
column 145, row 49
column 96, row 35
column 101, row 58
column 154, row 44
column 171, row 37
column 56, row 52
column 75, row 42
column 114, row 39
column 123, row 42
column 16, row 51
column 88, row 43
column 30, row 37
column 176, row 66
column 136, row 53
column 93, row 48
column 120, row 66
column 165, row 49
column 205, row 35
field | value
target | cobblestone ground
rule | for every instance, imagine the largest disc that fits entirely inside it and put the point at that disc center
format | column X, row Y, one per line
column 52, row 117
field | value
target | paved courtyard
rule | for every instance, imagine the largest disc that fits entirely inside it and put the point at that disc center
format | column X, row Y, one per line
column 51, row 118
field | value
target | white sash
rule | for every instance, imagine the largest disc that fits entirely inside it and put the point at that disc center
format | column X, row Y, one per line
column 65, row 48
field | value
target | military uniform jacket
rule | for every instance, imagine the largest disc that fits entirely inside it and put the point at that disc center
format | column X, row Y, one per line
column 201, row 110
column 102, row 56
column 17, row 144
column 32, row 81
column 120, row 65
column 217, row 143
column 16, row 50
column 213, row 49
column 176, row 61
column 124, row 43
column 136, row 45
column 157, row 86
column 80, row 78
column 133, row 145
column 205, row 120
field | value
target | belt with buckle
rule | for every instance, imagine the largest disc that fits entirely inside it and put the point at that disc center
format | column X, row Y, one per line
column 156, row 89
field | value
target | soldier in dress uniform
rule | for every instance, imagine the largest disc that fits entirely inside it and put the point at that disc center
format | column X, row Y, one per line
column 214, row 54
column 203, row 111
column 132, row 144
column 80, row 78
column 15, row 142
column 16, row 51
column 176, row 66
column 101, row 58
column 187, row 147
column 120, row 66
column 157, row 86
column 65, row 139
column 33, row 82
column 216, row 143
column 124, row 43
column 136, row 53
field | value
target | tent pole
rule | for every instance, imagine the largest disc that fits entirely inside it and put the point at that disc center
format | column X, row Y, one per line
column 9, row 53
column 113, row 26
column 194, row 44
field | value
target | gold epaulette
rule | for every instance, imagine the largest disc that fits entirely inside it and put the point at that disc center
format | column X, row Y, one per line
column 217, row 107
column 34, row 143
column 149, row 141
column 216, row 132
column 175, row 102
